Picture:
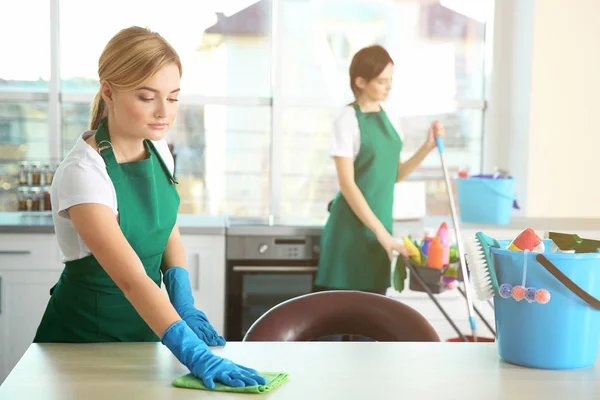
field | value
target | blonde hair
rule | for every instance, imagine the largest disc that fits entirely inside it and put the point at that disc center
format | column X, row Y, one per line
column 130, row 58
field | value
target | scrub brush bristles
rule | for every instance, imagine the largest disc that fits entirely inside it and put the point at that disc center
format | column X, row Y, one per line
column 482, row 276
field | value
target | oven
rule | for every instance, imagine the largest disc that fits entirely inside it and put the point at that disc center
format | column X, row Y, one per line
column 264, row 270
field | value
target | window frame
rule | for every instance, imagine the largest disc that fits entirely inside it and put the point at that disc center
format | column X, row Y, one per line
column 276, row 101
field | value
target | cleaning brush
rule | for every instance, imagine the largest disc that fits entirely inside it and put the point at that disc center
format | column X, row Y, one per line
column 461, row 254
column 481, row 264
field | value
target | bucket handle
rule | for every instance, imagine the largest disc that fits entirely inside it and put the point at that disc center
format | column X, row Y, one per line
column 572, row 286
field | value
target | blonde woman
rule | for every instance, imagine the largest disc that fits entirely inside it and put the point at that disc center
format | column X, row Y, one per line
column 114, row 206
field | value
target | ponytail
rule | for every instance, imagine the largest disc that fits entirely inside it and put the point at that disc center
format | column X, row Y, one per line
column 98, row 111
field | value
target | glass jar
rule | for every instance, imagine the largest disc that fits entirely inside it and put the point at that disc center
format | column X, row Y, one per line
column 22, row 200
column 47, row 204
column 23, row 172
column 36, row 201
column 49, row 175
column 36, row 176
column 28, row 201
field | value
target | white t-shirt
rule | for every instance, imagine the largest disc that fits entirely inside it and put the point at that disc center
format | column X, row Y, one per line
column 345, row 134
column 82, row 178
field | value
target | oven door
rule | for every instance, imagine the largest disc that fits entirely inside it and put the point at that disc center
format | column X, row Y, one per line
column 253, row 288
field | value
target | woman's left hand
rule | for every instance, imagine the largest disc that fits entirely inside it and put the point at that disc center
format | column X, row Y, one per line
column 198, row 322
column 435, row 130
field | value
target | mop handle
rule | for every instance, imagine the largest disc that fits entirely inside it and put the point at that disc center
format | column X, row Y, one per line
column 461, row 255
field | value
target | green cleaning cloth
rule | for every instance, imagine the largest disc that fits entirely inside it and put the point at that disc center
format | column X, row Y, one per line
column 274, row 379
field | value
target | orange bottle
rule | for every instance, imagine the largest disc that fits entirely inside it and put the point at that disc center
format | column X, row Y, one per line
column 435, row 254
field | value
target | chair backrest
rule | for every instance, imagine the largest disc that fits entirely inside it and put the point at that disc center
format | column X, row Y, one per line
column 341, row 312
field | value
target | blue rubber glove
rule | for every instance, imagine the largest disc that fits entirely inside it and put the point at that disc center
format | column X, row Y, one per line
column 177, row 283
column 197, row 357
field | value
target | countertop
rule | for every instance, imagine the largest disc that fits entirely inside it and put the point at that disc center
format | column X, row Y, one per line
column 317, row 370
column 22, row 222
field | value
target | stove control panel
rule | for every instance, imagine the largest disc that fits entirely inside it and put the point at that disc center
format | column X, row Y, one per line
column 273, row 248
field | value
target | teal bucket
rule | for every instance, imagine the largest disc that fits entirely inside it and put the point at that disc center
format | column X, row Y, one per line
column 485, row 200
column 563, row 333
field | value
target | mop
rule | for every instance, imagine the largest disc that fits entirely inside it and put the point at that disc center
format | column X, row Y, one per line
column 461, row 255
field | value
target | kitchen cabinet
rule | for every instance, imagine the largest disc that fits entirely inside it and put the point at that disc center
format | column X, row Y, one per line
column 205, row 255
column 29, row 266
column 24, row 296
column 455, row 306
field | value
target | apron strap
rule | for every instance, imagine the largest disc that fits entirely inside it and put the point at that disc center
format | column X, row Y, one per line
column 107, row 153
column 378, row 116
column 386, row 124
column 104, row 145
column 152, row 148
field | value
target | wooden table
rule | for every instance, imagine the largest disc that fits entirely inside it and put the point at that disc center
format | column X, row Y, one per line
column 318, row 370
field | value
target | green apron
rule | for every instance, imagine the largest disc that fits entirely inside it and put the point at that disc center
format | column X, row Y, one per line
column 351, row 257
column 86, row 305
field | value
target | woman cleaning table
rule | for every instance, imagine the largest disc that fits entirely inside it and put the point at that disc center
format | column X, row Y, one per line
column 114, row 206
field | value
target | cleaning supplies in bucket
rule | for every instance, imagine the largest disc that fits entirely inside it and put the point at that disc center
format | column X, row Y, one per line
column 520, row 292
column 557, row 326
column 486, row 199
column 572, row 242
column 429, row 257
column 481, row 265
column 435, row 254
column 527, row 240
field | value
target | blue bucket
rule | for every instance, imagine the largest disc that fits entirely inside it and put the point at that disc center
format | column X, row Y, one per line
column 486, row 200
column 564, row 333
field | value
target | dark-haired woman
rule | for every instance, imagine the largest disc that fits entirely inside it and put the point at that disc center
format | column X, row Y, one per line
column 357, row 241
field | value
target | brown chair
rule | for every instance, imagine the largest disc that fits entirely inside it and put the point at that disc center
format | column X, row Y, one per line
column 350, row 312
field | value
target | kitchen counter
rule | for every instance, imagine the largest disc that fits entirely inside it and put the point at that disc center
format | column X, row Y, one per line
column 317, row 370
column 15, row 222
column 24, row 222
column 21, row 222
column 575, row 225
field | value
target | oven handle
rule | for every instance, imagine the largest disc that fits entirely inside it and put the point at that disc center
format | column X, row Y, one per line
column 260, row 268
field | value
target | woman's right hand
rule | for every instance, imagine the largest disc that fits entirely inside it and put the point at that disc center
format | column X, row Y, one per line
column 390, row 245
column 202, row 363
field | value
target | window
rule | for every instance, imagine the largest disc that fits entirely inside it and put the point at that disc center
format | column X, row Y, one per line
column 221, row 137
column 438, row 52
column 308, row 173
column 23, row 138
column 24, row 86
column 214, row 42
column 262, row 82
column 25, row 46
column 222, row 159
column 221, row 155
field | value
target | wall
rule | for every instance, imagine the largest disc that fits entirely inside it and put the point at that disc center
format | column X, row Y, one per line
column 541, row 123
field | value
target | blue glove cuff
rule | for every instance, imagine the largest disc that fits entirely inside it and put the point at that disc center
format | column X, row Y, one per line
column 177, row 283
column 176, row 275
column 184, row 344
column 171, row 336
